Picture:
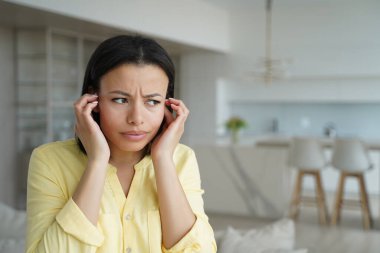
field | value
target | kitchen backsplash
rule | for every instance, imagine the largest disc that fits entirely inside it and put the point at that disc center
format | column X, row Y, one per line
column 317, row 119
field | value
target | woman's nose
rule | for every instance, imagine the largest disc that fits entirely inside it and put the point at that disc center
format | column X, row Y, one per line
column 135, row 116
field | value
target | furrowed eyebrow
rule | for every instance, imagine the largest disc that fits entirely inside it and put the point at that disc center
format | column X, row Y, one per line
column 119, row 92
column 152, row 95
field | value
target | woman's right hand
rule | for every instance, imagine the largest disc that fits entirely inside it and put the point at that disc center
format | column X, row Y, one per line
column 88, row 130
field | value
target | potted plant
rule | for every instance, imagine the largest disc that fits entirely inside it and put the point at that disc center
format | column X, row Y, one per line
column 234, row 125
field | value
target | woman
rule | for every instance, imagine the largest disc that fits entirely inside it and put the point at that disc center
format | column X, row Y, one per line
column 125, row 184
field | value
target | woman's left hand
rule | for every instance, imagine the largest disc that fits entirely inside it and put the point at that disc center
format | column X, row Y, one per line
column 173, row 128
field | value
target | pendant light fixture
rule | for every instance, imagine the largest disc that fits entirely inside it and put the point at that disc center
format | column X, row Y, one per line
column 269, row 69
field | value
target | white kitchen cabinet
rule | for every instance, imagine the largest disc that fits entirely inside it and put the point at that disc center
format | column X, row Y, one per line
column 50, row 69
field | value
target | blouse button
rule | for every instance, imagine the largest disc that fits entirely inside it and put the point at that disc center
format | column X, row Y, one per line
column 128, row 217
column 128, row 250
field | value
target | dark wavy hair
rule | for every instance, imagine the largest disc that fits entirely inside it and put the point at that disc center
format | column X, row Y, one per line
column 124, row 49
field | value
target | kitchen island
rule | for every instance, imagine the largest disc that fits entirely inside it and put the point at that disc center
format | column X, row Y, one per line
column 253, row 178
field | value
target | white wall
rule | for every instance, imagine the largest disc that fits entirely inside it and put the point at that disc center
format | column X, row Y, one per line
column 7, row 118
column 329, row 44
column 191, row 22
column 329, row 37
column 198, row 73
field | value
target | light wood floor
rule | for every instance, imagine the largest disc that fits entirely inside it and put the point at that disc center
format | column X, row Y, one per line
column 347, row 237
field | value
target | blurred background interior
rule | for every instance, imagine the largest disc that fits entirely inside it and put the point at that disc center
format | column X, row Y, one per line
column 285, row 68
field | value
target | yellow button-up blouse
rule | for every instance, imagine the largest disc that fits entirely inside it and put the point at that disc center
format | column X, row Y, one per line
column 125, row 225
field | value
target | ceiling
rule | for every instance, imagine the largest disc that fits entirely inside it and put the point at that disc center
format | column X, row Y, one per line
column 17, row 16
column 231, row 4
column 243, row 4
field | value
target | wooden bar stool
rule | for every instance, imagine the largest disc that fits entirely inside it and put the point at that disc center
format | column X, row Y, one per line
column 306, row 155
column 350, row 157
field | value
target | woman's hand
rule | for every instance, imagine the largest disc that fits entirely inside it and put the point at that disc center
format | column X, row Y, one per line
column 89, row 191
column 176, row 214
column 89, row 131
column 164, row 144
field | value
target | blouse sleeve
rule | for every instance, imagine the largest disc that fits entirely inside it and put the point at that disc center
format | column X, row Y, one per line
column 200, row 238
column 54, row 222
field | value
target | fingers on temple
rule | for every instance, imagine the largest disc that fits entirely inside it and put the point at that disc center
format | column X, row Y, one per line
column 85, row 105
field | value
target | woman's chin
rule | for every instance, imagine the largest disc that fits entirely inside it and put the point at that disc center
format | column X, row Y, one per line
column 132, row 147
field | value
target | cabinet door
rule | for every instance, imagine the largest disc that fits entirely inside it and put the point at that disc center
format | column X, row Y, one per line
column 31, row 73
column 65, row 69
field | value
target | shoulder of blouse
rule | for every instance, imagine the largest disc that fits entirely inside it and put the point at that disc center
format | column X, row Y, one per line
column 59, row 148
column 183, row 150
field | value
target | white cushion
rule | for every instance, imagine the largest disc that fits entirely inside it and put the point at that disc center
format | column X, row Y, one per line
column 275, row 238
column 13, row 223
column 12, row 246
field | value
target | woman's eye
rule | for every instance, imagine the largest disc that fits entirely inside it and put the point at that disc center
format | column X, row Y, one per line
column 153, row 102
column 119, row 100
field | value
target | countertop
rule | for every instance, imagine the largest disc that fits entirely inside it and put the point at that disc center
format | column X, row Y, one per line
column 284, row 141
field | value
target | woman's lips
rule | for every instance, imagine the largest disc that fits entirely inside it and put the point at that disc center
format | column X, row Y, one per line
column 134, row 135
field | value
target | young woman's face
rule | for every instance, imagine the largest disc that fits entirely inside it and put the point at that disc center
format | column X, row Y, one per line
column 131, row 105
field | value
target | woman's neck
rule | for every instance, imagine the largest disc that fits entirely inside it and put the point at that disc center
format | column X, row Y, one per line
column 125, row 160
